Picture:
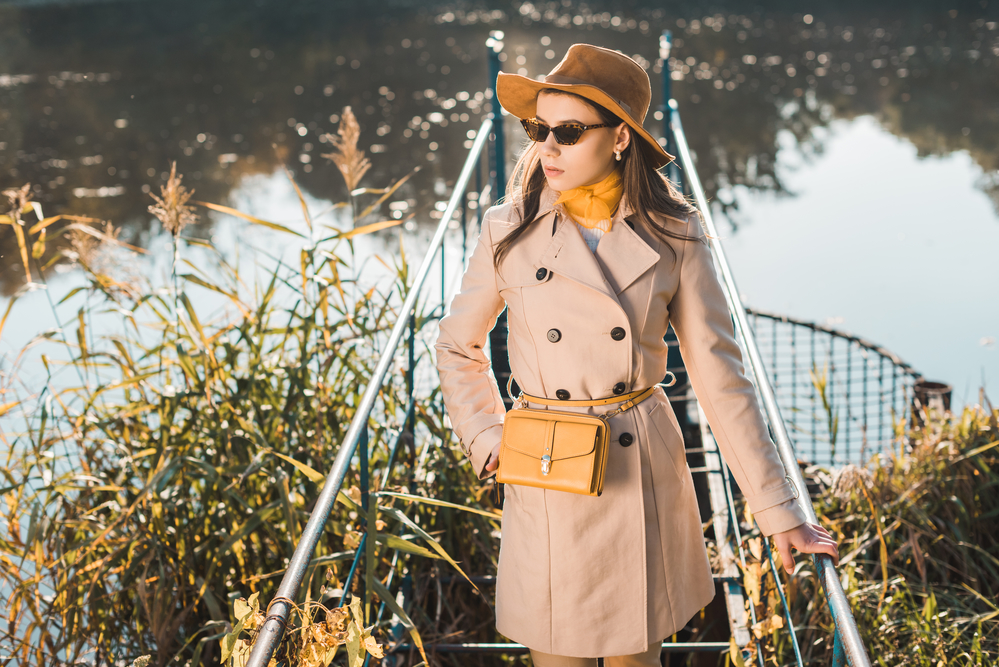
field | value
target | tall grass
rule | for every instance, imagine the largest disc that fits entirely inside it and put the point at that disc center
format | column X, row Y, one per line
column 149, row 509
column 919, row 531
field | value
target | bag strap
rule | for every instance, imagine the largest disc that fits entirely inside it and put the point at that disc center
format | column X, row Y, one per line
column 521, row 397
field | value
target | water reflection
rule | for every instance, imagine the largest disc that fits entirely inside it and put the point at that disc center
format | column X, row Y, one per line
column 97, row 100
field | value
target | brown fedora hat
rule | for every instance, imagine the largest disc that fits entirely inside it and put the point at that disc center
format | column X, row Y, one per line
column 609, row 78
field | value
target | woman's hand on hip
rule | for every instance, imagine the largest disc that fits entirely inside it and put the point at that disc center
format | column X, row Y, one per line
column 808, row 538
column 493, row 461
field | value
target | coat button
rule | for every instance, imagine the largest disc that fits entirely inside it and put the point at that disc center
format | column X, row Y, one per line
column 626, row 439
column 541, row 274
column 619, row 388
column 554, row 335
column 562, row 395
column 617, row 333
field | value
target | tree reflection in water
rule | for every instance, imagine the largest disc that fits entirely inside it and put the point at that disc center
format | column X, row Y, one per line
column 97, row 100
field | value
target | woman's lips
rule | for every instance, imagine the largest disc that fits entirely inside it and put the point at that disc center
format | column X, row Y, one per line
column 552, row 171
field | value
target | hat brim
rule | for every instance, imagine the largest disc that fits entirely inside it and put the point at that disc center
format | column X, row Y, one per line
column 519, row 95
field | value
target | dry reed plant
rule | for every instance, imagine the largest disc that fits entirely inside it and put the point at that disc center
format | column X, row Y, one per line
column 178, row 474
column 106, row 257
column 919, row 545
column 345, row 155
column 171, row 206
column 18, row 199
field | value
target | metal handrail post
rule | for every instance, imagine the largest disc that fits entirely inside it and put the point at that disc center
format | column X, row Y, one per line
column 369, row 549
column 278, row 611
column 846, row 625
column 665, row 47
column 495, row 46
column 839, row 656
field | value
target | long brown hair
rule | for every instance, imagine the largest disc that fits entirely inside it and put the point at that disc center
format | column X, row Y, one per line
column 645, row 188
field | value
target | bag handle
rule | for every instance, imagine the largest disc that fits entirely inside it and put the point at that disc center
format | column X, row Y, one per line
column 517, row 401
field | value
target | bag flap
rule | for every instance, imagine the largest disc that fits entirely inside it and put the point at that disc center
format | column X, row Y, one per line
column 527, row 432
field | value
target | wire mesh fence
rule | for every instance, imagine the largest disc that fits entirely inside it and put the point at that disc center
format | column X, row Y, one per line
column 840, row 395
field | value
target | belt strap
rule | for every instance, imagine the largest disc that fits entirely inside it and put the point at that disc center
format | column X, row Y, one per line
column 633, row 397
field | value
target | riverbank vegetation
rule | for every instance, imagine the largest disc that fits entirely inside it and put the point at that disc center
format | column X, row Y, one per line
column 165, row 468
column 162, row 472
column 919, row 531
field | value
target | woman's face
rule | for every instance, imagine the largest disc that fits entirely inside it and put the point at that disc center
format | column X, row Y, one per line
column 588, row 161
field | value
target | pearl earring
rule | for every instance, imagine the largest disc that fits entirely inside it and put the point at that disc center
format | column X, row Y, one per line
column 617, row 155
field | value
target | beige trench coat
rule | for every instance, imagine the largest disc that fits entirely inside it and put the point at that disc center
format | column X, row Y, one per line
column 601, row 576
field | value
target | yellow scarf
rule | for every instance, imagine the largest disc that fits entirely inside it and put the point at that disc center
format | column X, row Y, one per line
column 593, row 205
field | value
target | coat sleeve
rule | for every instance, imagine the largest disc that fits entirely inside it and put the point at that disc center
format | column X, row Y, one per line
column 468, row 386
column 703, row 325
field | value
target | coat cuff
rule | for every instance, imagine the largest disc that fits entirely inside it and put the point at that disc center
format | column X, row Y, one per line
column 478, row 452
column 780, row 517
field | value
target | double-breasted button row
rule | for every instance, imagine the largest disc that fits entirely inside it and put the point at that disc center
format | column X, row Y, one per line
column 619, row 388
column 617, row 333
column 625, row 439
column 554, row 335
column 541, row 274
column 562, row 395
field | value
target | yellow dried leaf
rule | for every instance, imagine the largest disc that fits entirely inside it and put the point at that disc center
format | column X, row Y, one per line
column 352, row 540
column 373, row 647
column 355, row 656
column 311, row 655
column 255, row 620
column 751, row 580
column 247, row 612
column 241, row 653
column 776, row 622
column 241, row 608
column 756, row 547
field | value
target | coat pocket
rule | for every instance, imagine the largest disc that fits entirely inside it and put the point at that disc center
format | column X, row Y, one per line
column 670, row 436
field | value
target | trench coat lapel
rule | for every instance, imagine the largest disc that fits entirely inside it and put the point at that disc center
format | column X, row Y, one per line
column 621, row 257
column 622, row 253
column 569, row 256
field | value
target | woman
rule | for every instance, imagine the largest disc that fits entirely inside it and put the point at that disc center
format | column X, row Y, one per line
column 594, row 254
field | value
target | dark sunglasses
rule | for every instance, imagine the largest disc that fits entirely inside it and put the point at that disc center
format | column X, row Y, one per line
column 565, row 135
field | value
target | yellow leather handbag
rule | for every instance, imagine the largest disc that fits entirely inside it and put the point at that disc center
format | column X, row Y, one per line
column 562, row 451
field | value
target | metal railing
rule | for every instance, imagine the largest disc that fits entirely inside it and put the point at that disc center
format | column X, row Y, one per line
column 841, row 395
column 847, row 641
column 278, row 611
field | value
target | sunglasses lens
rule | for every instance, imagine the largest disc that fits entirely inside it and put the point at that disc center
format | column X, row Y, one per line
column 567, row 135
column 535, row 130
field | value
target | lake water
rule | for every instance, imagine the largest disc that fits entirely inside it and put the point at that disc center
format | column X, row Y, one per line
column 852, row 155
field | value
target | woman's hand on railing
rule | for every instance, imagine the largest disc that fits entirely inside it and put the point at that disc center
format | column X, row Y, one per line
column 493, row 461
column 808, row 538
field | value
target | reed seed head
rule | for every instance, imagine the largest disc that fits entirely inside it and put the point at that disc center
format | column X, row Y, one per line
column 171, row 206
column 851, row 479
column 17, row 199
column 346, row 156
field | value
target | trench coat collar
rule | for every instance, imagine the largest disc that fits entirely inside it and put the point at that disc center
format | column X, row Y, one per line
column 621, row 256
